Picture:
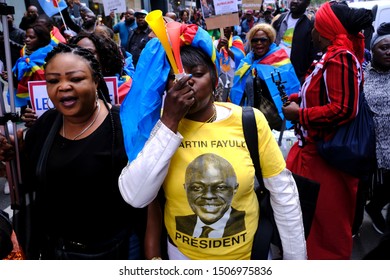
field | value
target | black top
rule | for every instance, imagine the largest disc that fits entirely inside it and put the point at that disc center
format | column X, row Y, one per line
column 136, row 43
column 80, row 199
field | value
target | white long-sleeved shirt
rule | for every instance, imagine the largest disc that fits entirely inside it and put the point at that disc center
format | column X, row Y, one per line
column 140, row 181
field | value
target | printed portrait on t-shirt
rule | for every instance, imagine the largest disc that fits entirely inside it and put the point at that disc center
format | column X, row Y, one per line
column 210, row 185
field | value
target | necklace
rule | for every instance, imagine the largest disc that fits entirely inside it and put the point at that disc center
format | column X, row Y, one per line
column 85, row 129
column 214, row 116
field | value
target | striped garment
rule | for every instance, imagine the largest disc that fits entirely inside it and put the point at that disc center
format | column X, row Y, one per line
column 330, row 94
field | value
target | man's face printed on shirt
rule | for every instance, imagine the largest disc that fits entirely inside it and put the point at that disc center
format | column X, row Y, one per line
column 210, row 185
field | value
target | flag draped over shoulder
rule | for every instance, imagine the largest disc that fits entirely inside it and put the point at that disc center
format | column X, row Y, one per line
column 26, row 67
column 52, row 7
column 141, row 108
column 237, row 47
column 56, row 38
column 276, row 60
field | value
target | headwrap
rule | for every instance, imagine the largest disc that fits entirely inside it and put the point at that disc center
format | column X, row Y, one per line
column 275, row 60
column 342, row 25
column 141, row 108
column 382, row 32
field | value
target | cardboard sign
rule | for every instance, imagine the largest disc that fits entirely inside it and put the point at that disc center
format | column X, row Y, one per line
column 222, row 13
column 40, row 101
column 222, row 21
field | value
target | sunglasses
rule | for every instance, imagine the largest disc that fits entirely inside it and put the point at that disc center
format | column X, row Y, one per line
column 261, row 39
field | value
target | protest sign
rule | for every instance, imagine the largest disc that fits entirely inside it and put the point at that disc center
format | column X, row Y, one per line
column 40, row 101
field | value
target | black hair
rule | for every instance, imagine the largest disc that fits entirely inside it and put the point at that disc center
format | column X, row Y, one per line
column 42, row 33
column 87, row 56
column 106, row 31
column 46, row 21
column 353, row 20
column 109, row 53
column 181, row 12
column 192, row 57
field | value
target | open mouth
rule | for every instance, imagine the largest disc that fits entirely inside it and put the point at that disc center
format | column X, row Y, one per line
column 68, row 101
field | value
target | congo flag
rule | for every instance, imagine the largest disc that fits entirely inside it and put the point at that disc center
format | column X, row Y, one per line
column 273, row 62
column 52, row 7
column 141, row 107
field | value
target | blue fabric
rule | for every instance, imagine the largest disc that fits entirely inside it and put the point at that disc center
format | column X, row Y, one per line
column 141, row 108
column 264, row 72
column 52, row 7
column 129, row 68
column 124, row 30
column 352, row 148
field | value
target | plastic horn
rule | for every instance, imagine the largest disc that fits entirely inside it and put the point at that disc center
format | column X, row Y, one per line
column 173, row 30
column 157, row 24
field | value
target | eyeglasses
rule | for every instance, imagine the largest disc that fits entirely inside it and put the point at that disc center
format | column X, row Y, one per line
column 261, row 39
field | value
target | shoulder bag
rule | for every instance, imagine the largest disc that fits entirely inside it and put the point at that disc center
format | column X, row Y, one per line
column 308, row 190
column 352, row 148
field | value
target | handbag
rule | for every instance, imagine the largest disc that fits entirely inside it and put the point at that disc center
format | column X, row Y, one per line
column 352, row 148
column 266, row 106
column 308, row 190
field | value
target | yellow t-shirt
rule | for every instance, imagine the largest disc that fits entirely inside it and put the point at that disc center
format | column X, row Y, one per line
column 225, row 139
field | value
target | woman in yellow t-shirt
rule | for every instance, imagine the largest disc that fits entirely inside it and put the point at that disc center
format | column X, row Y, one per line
column 196, row 151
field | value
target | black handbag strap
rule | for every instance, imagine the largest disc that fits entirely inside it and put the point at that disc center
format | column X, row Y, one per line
column 264, row 234
column 251, row 138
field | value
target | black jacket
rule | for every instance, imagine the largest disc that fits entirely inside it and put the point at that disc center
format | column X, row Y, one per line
column 302, row 50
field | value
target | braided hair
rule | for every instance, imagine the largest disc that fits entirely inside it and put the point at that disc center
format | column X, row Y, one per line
column 108, row 52
column 88, row 57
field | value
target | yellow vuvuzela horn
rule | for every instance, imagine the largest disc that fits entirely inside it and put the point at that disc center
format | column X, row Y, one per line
column 157, row 24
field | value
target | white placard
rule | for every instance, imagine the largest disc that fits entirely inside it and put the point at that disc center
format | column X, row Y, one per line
column 40, row 101
column 223, row 7
column 118, row 6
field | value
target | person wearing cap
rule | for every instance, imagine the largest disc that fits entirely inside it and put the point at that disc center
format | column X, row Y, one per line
column 328, row 99
column 161, row 144
column 293, row 33
column 247, row 23
column 125, row 27
column 138, row 37
column 377, row 91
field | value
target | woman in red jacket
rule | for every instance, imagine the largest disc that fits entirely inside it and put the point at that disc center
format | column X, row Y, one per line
column 328, row 99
